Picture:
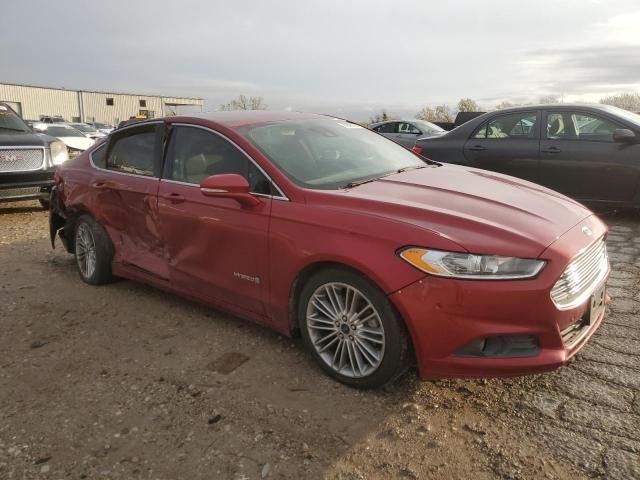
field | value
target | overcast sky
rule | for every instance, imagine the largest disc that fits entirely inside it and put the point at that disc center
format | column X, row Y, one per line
column 332, row 56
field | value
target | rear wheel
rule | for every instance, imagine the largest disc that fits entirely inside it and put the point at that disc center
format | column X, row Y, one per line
column 93, row 251
column 352, row 330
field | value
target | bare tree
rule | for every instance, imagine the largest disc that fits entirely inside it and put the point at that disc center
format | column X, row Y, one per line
column 468, row 105
column 549, row 99
column 627, row 101
column 245, row 103
column 504, row 104
column 382, row 116
column 441, row 113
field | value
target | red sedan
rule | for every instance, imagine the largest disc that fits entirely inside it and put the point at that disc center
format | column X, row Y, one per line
column 314, row 225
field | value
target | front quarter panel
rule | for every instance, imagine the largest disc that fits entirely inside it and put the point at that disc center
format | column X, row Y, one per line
column 304, row 235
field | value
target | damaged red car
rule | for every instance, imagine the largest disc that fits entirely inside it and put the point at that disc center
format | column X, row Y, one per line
column 313, row 225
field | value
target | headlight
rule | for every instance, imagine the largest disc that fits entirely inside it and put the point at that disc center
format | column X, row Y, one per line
column 467, row 265
column 74, row 152
column 59, row 153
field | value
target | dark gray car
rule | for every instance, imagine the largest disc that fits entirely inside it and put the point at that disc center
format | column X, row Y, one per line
column 406, row 132
column 588, row 152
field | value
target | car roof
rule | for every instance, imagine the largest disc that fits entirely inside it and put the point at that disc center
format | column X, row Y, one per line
column 553, row 106
column 241, row 118
column 397, row 120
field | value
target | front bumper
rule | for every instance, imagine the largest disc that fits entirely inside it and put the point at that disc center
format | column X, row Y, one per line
column 443, row 315
column 26, row 185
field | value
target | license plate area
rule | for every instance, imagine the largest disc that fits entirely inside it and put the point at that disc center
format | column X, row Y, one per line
column 596, row 305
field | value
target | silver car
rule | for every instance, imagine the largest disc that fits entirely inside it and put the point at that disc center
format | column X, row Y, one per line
column 406, row 132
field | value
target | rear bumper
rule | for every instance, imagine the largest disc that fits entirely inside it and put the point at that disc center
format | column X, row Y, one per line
column 444, row 315
column 26, row 185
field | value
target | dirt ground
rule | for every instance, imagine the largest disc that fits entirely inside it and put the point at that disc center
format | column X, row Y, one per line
column 125, row 381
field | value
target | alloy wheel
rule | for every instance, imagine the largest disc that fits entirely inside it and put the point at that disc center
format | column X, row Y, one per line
column 345, row 329
column 85, row 250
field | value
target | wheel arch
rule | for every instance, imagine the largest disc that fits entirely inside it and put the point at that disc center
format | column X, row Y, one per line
column 311, row 269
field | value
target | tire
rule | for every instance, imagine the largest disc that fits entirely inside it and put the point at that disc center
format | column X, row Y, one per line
column 93, row 251
column 44, row 203
column 336, row 306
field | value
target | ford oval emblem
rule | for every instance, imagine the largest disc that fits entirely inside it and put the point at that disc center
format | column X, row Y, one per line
column 587, row 231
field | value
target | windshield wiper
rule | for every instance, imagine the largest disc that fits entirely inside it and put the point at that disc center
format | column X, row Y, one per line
column 410, row 167
column 362, row 182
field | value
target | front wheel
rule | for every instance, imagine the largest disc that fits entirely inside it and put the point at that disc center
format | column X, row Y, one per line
column 93, row 251
column 352, row 330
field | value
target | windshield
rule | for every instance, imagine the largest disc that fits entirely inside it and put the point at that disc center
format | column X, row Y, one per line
column 84, row 128
column 63, row 132
column 329, row 153
column 10, row 122
column 428, row 127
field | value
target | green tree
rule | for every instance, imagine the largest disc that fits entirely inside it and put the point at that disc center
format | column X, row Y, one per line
column 244, row 103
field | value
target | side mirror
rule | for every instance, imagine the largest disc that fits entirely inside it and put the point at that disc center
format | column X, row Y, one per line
column 624, row 135
column 229, row 185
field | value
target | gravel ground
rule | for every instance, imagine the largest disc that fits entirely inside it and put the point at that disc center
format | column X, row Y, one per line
column 125, row 381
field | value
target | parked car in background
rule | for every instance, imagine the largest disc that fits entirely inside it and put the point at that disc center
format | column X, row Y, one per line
column 405, row 132
column 588, row 152
column 102, row 127
column 312, row 224
column 76, row 141
column 88, row 130
column 52, row 119
column 461, row 117
column 28, row 160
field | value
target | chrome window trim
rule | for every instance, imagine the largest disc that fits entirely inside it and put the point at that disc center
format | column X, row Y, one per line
column 43, row 166
column 281, row 195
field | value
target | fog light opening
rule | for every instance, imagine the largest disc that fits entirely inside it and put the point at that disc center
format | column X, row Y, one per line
column 501, row 346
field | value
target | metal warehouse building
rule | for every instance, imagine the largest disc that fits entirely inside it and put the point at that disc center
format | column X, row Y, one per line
column 85, row 106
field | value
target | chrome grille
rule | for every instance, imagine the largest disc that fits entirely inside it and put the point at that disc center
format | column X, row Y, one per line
column 21, row 159
column 7, row 193
column 581, row 276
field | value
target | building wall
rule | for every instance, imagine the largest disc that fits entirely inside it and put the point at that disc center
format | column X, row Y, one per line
column 124, row 106
column 85, row 106
column 36, row 101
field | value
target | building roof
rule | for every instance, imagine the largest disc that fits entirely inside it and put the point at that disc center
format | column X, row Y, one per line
column 101, row 92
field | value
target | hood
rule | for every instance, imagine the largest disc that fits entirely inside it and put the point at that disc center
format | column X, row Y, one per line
column 79, row 143
column 22, row 139
column 483, row 212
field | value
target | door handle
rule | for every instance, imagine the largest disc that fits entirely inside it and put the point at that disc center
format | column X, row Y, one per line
column 551, row 150
column 100, row 185
column 477, row 148
column 175, row 197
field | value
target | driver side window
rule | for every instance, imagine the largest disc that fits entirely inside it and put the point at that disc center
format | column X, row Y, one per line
column 195, row 153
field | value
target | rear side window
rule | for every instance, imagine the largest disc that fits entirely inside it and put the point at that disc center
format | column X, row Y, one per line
column 99, row 156
column 513, row 126
column 195, row 154
column 386, row 127
column 404, row 127
column 133, row 151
